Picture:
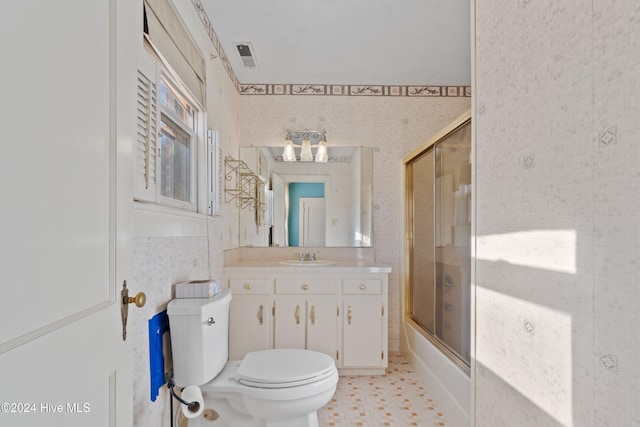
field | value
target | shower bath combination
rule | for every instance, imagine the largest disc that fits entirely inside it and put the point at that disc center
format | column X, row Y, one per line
column 438, row 206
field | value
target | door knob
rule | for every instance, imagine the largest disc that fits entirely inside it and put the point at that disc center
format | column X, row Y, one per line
column 139, row 300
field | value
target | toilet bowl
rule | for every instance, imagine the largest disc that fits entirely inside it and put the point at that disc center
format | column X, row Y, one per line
column 283, row 387
column 268, row 388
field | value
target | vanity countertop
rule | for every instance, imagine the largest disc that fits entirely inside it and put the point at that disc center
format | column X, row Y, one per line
column 271, row 266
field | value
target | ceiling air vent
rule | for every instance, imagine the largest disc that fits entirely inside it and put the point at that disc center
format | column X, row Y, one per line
column 245, row 50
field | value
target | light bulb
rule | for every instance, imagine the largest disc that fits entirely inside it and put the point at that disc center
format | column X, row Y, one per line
column 289, row 154
column 305, row 153
column 322, row 155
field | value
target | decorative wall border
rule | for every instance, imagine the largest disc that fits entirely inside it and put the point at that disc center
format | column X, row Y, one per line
column 322, row 90
column 353, row 90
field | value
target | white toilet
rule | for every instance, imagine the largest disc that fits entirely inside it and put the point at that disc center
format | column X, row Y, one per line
column 268, row 388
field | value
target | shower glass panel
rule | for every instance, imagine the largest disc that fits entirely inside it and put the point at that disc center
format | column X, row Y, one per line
column 439, row 250
column 453, row 241
column 423, row 255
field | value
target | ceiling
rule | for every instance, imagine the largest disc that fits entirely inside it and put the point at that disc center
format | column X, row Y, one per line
column 347, row 42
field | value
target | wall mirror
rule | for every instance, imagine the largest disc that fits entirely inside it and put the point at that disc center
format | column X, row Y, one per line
column 311, row 204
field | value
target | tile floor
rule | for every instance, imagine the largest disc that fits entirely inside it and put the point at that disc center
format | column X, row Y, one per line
column 397, row 399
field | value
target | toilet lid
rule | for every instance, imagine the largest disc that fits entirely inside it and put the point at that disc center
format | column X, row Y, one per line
column 281, row 368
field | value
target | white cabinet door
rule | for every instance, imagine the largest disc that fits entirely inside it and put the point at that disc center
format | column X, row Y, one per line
column 249, row 325
column 303, row 309
column 362, row 332
column 311, row 324
column 322, row 326
column 249, row 316
column 290, row 323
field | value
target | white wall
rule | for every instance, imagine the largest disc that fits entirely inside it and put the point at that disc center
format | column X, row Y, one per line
column 557, row 87
column 170, row 246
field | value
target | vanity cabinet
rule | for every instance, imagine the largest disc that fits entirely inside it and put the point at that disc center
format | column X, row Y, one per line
column 363, row 323
column 339, row 311
column 250, row 316
column 306, row 314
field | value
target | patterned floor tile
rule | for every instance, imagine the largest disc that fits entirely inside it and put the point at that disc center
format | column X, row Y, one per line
column 397, row 399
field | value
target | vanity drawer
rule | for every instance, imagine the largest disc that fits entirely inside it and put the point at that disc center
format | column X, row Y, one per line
column 305, row 286
column 250, row 286
column 361, row 286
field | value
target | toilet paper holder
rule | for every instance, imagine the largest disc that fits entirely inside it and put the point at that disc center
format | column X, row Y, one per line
column 191, row 405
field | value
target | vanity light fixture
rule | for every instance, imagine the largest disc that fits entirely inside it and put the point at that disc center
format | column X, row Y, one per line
column 305, row 140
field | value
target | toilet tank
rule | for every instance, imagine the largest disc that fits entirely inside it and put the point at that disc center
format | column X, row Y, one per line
column 199, row 329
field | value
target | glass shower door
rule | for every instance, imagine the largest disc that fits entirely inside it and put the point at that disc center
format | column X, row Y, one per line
column 439, row 222
column 423, row 286
column 453, row 241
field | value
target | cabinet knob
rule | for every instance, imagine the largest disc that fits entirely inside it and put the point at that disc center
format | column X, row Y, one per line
column 305, row 287
column 247, row 286
column 260, row 315
column 297, row 314
column 349, row 314
column 312, row 315
column 362, row 286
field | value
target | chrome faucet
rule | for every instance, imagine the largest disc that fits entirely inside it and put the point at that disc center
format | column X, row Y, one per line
column 306, row 256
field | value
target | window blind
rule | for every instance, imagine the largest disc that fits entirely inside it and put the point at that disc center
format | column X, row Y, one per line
column 170, row 37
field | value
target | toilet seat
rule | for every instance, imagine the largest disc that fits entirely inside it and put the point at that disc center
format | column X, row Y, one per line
column 299, row 383
column 283, row 368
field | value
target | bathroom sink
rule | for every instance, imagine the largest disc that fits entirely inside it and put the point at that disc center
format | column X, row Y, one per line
column 297, row 262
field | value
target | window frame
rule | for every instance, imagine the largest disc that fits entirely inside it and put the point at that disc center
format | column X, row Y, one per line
column 181, row 93
column 152, row 65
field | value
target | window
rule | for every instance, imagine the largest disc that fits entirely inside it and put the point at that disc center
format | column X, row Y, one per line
column 171, row 146
column 175, row 161
column 177, row 148
column 167, row 144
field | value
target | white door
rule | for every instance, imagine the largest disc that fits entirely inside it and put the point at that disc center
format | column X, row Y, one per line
column 68, row 88
column 312, row 221
column 279, row 211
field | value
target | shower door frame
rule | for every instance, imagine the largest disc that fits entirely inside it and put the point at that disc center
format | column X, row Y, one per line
column 456, row 125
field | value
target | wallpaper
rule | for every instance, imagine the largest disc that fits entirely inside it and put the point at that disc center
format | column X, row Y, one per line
column 557, row 202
